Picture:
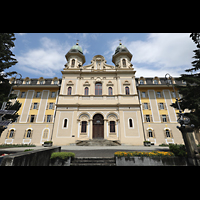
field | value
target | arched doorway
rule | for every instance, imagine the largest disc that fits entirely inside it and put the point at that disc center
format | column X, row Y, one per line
column 98, row 127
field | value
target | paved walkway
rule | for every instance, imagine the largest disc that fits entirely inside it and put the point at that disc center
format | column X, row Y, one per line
column 92, row 151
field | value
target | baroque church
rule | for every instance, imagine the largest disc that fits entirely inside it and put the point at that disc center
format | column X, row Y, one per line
column 95, row 101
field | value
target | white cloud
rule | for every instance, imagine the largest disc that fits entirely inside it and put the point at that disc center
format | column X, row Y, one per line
column 22, row 34
column 160, row 53
column 46, row 60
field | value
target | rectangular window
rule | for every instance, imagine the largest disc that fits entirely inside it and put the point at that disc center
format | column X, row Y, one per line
column 35, row 106
column 23, row 94
column 65, row 123
column 48, row 118
column 143, row 94
column 84, row 127
column 53, row 94
column 50, row 105
column 37, row 95
column 161, row 106
column 32, row 118
column 164, row 118
column 98, row 89
column 112, row 126
column 145, row 106
column 158, row 95
column 148, row 118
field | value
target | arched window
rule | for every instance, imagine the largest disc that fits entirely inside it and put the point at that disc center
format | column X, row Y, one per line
column 69, row 91
column 28, row 134
column 150, row 133
column 110, row 91
column 167, row 132
column 45, row 133
column 98, row 89
column 11, row 133
column 124, row 63
column 73, row 63
column 112, row 126
column 65, row 123
column 127, row 90
column 86, row 91
column 84, row 127
column 141, row 82
column 130, row 123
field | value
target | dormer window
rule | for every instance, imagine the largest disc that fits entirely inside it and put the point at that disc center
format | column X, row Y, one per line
column 41, row 82
column 155, row 82
column 73, row 63
column 124, row 63
column 141, row 82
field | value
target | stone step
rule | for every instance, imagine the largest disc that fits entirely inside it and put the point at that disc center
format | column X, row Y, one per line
column 98, row 142
column 93, row 161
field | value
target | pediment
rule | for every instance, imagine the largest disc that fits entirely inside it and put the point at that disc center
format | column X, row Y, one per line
column 98, row 63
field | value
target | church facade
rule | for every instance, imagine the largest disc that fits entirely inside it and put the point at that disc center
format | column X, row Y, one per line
column 95, row 101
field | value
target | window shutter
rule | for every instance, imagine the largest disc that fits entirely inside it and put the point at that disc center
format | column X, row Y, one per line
column 167, row 117
column 158, row 106
column 34, row 118
column 14, row 134
column 32, row 106
column 165, row 136
column 53, row 106
column 25, row 133
column 51, row 118
column 28, row 118
column 147, row 133
column 145, row 120
column 165, row 106
column 161, row 118
column 149, row 106
column 142, row 106
column 151, row 119
column 31, row 134
column 45, row 118
column 171, row 135
column 154, row 136
column 7, row 134
column 38, row 105
column 47, row 106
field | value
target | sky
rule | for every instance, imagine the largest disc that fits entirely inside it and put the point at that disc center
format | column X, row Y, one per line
column 154, row 54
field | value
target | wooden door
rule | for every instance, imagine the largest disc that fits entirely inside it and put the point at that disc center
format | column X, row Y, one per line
column 98, row 127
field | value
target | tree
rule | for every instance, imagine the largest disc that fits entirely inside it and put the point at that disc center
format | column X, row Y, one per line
column 191, row 92
column 7, row 61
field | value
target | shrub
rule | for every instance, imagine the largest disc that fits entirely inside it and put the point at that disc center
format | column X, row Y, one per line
column 62, row 155
column 48, row 142
column 140, row 153
column 28, row 150
column 16, row 145
column 178, row 149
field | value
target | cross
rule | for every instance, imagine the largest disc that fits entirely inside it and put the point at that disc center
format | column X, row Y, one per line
column 77, row 42
column 120, row 41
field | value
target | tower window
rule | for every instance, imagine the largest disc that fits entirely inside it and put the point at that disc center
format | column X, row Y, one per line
column 124, row 63
column 150, row 133
column 86, row 91
column 130, row 123
column 65, row 123
column 127, row 90
column 112, row 126
column 109, row 91
column 73, row 63
column 69, row 91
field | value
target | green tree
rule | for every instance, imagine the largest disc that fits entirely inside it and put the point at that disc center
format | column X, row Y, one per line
column 7, row 60
column 191, row 92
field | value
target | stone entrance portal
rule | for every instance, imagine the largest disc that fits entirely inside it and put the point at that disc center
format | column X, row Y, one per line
column 98, row 127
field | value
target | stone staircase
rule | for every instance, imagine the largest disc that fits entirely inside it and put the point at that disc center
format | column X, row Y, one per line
column 98, row 142
column 93, row 161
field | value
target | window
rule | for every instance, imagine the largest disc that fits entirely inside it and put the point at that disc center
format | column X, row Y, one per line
column 167, row 132
column 109, row 91
column 164, row 118
column 173, row 95
column 124, row 63
column 148, row 118
column 27, row 82
column 28, row 135
column 23, row 94
column 158, row 95
column 141, row 82
column 65, row 123
column 86, row 91
column 32, row 118
column 127, row 90
column 53, row 94
column 161, row 105
column 11, row 133
column 41, row 82
column 37, row 94
column 48, row 118
column 112, row 126
column 50, row 105
column 35, row 105
column 150, row 133
column 84, row 127
column 145, row 106
column 143, row 94
column 98, row 89
column 155, row 82
column 45, row 133
column 73, row 63
column 130, row 123
column 69, row 91
column 55, row 82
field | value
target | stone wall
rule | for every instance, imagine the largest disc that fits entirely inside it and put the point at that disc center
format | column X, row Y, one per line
column 39, row 157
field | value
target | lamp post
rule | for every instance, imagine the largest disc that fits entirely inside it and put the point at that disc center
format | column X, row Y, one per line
column 185, row 128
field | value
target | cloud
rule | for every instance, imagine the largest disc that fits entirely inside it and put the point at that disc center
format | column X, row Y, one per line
column 22, row 34
column 46, row 60
column 159, row 53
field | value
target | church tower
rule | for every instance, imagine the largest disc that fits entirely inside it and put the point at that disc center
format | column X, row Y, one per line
column 75, row 57
column 122, row 57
